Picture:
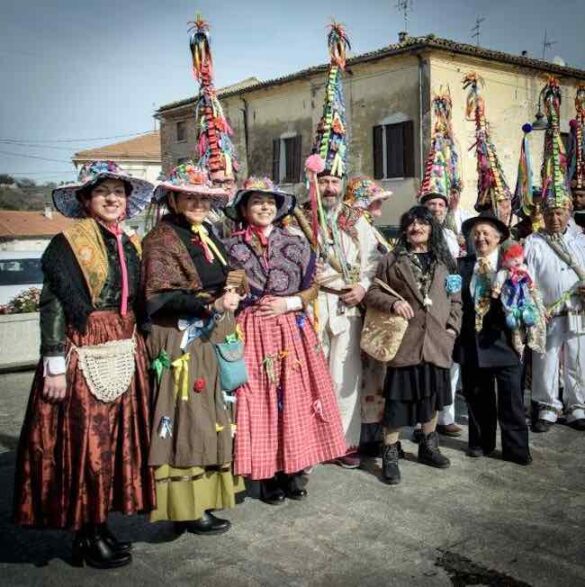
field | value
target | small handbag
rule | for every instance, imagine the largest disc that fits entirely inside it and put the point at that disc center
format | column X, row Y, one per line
column 232, row 367
column 383, row 332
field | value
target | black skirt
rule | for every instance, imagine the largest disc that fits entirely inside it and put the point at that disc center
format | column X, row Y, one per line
column 413, row 394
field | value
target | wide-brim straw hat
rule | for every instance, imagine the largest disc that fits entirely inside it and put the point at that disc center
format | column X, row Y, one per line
column 188, row 178
column 66, row 200
column 285, row 202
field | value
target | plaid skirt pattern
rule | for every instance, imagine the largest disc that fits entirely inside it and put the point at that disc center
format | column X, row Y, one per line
column 286, row 415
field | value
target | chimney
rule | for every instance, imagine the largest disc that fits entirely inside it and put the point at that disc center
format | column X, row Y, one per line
column 48, row 212
column 402, row 36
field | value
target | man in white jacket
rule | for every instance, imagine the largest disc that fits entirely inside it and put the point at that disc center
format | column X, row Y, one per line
column 556, row 259
column 352, row 243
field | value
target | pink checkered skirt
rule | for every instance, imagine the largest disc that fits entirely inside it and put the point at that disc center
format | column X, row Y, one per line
column 287, row 416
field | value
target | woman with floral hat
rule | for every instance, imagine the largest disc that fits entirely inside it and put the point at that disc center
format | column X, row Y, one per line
column 84, row 444
column 190, row 309
column 286, row 414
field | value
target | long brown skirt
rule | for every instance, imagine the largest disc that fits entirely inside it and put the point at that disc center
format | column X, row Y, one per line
column 82, row 458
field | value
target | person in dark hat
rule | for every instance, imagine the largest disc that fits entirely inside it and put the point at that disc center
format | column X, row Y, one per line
column 485, row 351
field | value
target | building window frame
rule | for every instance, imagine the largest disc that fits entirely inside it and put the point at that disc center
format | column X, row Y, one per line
column 181, row 131
column 393, row 150
column 287, row 158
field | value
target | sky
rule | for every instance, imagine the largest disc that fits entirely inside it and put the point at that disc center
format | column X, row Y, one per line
column 78, row 74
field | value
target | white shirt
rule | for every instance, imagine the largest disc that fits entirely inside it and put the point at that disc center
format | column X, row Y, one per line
column 492, row 259
column 551, row 274
column 452, row 242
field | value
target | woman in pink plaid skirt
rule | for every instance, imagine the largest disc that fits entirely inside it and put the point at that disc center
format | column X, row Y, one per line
column 286, row 415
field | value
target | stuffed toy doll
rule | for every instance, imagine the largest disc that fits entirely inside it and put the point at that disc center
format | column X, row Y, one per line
column 520, row 299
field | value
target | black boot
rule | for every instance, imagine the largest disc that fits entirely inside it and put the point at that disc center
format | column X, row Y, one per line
column 390, row 470
column 90, row 548
column 206, row 524
column 429, row 453
column 112, row 541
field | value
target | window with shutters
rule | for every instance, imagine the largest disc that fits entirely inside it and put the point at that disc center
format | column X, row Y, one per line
column 181, row 131
column 394, row 150
column 286, row 159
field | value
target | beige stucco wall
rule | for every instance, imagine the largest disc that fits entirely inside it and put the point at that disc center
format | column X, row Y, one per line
column 511, row 99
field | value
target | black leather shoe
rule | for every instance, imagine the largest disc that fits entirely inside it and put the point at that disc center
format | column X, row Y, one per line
column 208, row 524
column 578, row 424
column 90, row 548
column 112, row 541
column 519, row 460
column 541, row 426
column 271, row 492
column 474, row 452
column 292, row 486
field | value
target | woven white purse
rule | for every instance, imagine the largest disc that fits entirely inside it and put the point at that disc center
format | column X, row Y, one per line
column 108, row 368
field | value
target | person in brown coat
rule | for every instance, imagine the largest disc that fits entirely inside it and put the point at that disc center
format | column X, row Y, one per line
column 417, row 383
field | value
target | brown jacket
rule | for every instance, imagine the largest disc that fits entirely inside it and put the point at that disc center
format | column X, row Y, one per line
column 426, row 338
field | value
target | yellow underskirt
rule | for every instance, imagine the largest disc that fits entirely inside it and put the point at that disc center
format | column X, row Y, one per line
column 185, row 494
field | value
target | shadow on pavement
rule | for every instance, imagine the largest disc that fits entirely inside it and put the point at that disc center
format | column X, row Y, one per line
column 38, row 547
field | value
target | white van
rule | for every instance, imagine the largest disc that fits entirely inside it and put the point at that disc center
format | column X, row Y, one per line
column 19, row 271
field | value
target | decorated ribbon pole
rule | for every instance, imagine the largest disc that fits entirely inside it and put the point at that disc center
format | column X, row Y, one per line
column 491, row 183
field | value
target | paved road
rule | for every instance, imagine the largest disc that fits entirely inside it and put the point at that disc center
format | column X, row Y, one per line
column 481, row 522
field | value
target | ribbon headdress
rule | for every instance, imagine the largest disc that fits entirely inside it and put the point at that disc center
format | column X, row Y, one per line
column 577, row 155
column 555, row 192
column 441, row 177
column 214, row 145
column 491, row 183
column 331, row 136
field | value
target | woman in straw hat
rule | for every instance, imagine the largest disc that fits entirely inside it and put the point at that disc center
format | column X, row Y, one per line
column 190, row 309
column 84, row 443
column 287, row 414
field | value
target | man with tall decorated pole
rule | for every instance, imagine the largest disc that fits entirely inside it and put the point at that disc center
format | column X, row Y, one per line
column 215, row 149
column 348, row 248
column 440, row 187
column 556, row 259
column 493, row 192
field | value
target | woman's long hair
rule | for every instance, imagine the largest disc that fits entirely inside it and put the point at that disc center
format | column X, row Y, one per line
column 437, row 244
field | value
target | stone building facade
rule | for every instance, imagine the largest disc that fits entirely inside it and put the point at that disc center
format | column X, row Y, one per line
column 388, row 95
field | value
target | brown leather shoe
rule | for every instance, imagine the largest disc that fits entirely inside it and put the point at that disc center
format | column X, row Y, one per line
column 449, row 430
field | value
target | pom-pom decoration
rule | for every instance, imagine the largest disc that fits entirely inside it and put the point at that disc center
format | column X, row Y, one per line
column 491, row 183
column 214, row 145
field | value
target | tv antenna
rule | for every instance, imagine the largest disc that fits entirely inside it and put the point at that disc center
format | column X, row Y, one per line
column 476, row 29
column 405, row 6
column 546, row 44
